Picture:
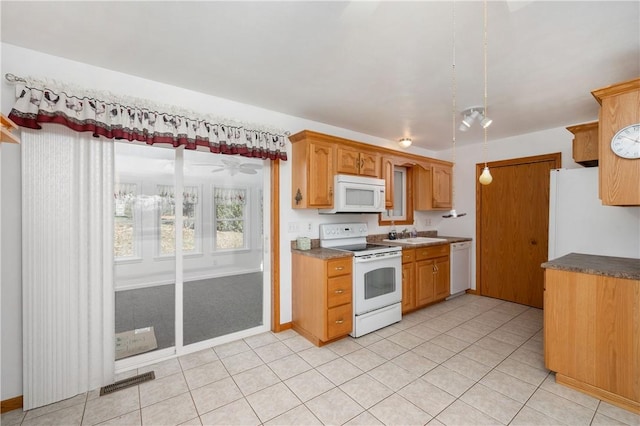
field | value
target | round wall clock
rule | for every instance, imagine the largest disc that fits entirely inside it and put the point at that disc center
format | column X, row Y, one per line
column 626, row 142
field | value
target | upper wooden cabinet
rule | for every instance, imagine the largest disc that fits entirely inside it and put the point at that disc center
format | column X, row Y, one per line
column 6, row 127
column 585, row 143
column 442, row 186
column 387, row 174
column 317, row 157
column 433, row 187
column 355, row 162
column 619, row 177
column 312, row 172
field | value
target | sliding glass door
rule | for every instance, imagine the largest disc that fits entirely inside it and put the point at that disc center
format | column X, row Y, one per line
column 189, row 263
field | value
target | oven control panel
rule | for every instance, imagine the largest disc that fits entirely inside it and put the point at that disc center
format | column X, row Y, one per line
column 334, row 231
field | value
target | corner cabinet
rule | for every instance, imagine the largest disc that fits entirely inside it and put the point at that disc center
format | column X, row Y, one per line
column 619, row 177
column 322, row 297
column 312, row 172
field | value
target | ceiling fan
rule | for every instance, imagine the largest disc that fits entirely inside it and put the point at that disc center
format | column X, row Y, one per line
column 234, row 166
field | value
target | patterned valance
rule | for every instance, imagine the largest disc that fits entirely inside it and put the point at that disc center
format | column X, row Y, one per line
column 136, row 120
column 189, row 195
column 230, row 196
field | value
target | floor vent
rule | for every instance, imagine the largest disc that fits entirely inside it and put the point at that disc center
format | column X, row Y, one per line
column 125, row 383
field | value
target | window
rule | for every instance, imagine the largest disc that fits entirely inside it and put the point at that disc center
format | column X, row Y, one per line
column 402, row 213
column 230, row 206
column 190, row 219
column 125, row 243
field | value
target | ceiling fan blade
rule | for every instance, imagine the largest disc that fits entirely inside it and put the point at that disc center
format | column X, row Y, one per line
column 247, row 171
column 250, row 166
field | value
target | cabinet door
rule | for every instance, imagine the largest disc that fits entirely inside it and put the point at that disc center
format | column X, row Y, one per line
column 442, row 277
column 422, row 192
column 387, row 175
column 408, row 286
column 425, row 275
column 369, row 164
column 442, row 186
column 320, row 176
column 348, row 161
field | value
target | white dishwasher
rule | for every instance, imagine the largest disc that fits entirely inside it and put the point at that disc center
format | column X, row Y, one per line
column 460, row 268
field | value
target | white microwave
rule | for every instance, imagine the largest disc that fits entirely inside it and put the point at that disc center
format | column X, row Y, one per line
column 357, row 194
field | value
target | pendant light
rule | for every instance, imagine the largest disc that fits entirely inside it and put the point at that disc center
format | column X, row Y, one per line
column 452, row 212
column 485, row 177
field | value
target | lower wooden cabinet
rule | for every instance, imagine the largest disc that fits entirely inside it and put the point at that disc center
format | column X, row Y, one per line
column 408, row 280
column 425, row 276
column 592, row 335
column 322, row 297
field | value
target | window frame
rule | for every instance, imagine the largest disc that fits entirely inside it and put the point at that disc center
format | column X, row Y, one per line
column 408, row 185
column 245, row 219
column 198, row 231
column 137, row 223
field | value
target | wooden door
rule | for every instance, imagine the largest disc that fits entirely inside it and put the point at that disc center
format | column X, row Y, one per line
column 347, row 160
column 513, row 228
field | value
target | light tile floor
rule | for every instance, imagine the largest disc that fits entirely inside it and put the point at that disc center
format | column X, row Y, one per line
column 467, row 361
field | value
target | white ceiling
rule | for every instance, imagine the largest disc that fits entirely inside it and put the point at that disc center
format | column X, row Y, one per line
column 382, row 68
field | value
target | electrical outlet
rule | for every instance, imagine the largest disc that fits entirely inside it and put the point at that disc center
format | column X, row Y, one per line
column 427, row 221
column 309, row 227
column 294, row 227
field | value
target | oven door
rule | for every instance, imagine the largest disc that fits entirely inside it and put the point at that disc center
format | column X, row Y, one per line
column 377, row 281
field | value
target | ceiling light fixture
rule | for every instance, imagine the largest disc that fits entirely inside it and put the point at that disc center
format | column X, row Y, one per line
column 485, row 178
column 405, row 142
column 452, row 212
column 472, row 114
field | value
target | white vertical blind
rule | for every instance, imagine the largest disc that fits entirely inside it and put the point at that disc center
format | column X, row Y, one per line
column 67, row 243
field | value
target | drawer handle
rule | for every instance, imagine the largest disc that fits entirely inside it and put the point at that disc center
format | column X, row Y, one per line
column 339, row 291
column 339, row 321
column 339, row 268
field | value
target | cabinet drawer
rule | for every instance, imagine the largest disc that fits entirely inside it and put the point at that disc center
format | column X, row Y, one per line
column 432, row 251
column 339, row 290
column 408, row 255
column 339, row 266
column 339, row 321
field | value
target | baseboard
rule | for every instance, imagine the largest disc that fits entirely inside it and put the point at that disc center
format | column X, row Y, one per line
column 283, row 327
column 11, row 404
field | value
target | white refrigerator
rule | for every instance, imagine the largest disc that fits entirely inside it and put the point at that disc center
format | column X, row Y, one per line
column 579, row 223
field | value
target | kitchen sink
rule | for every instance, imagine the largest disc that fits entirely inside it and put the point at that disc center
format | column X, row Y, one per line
column 417, row 240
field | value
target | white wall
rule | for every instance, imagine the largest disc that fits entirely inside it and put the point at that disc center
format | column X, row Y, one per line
column 25, row 62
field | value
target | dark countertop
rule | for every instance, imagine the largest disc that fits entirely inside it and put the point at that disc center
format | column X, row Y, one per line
column 325, row 253
column 616, row 267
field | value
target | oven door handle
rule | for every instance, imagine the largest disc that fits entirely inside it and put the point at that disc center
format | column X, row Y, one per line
column 378, row 258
